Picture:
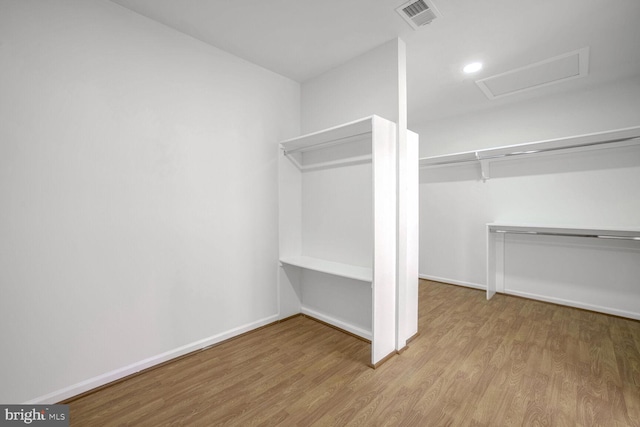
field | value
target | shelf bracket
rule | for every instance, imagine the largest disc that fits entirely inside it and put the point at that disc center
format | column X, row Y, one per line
column 292, row 159
column 484, row 167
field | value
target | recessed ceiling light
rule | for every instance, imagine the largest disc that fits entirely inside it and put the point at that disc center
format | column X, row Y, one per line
column 474, row 67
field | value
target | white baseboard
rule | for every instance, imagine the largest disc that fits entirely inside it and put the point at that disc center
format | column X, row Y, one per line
column 337, row 323
column 538, row 297
column 576, row 304
column 452, row 281
column 100, row 380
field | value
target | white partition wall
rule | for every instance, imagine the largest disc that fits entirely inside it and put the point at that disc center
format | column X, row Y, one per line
column 338, row 230
column 408, row 239
column 374, row 83
column 384, row 246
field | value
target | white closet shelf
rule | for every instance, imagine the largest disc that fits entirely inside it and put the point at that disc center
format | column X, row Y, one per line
column 496, row 232
column 335, row 268
column 592, row 141
column 341, row 183
column 331, row 136
column 627, row 233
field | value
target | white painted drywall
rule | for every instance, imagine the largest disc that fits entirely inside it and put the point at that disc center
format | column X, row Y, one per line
column 408, row 239
column 366, row 85
column 612, row 106
column 597, row 188
column 138, row 182
column 596, row 274
column 337, row 215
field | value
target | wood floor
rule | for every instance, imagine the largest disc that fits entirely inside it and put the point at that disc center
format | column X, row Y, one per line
column 504, row 362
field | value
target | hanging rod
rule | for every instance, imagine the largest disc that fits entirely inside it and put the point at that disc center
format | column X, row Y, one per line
column 544, row 150
column 549, row 233
column 479, row 156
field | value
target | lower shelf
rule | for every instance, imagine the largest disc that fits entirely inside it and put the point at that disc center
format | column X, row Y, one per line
column 343, row 326
column 337, row 269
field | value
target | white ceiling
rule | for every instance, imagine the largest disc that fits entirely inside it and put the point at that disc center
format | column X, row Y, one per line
column 302, row 38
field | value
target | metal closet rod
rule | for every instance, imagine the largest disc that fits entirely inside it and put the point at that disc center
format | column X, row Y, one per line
column 479, row 155
column 549, row 233
column 543, row 150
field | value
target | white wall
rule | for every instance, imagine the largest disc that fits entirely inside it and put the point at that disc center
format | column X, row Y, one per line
column 138, row 180
column 597, row 188
column 612, row 106
column 366, row 85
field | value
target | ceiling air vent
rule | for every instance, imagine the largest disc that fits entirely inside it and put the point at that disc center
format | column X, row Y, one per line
column 418, row 13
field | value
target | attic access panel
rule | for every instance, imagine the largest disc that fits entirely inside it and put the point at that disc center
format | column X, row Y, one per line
column 554, row 70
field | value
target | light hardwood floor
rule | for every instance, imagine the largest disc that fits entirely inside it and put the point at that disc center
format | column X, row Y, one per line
column 503, row 362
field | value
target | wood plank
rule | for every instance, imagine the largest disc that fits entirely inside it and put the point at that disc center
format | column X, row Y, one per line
column 507, row 361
